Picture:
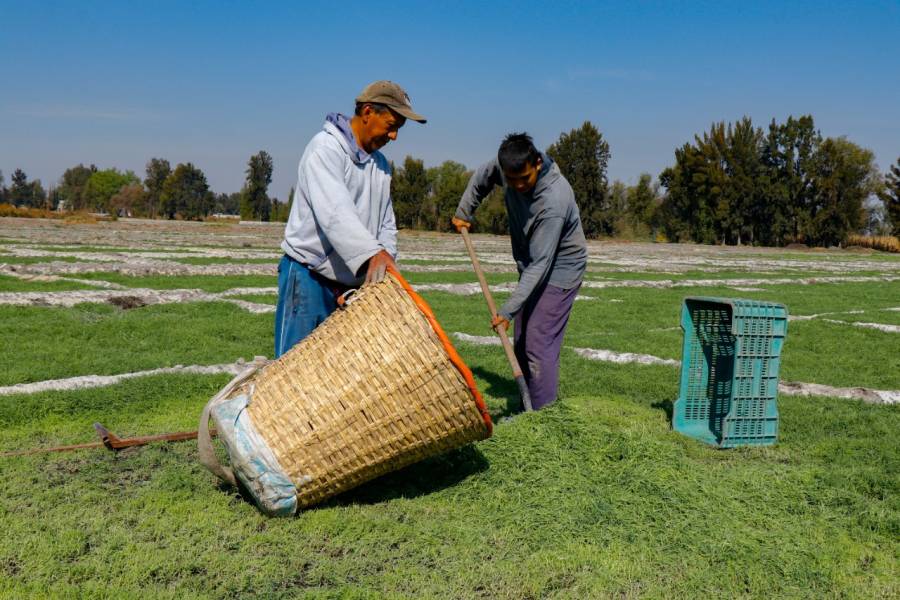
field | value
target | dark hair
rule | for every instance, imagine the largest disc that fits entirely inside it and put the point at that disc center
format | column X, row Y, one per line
column 378, row 108
column 517, row 152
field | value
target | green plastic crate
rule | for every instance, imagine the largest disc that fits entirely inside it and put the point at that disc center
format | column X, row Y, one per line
column 729, row 371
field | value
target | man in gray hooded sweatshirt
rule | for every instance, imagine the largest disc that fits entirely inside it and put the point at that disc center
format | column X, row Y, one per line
column 341, row 231
column 550, row 250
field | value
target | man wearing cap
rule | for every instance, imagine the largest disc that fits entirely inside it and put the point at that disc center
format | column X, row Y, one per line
column 550, row 250
column 341, row 231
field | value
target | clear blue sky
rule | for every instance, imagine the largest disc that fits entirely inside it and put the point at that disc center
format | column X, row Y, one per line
column 213, row 82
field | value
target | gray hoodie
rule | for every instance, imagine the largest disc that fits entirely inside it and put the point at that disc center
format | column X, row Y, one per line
column 342, row 213
column 544, row 226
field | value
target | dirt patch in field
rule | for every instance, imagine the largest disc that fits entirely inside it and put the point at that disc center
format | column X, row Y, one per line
column 127, row 302
column 11, row 566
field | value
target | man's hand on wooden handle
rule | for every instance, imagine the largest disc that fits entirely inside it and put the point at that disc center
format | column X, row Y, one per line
column 460, row 224
column 499, row 322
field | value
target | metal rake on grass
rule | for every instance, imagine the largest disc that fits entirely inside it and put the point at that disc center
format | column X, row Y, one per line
column 113, row 442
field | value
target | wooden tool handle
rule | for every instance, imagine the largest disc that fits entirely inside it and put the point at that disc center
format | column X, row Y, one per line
column 504, row 338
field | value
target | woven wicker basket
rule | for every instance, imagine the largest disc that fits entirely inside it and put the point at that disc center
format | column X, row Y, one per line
column 374, row 388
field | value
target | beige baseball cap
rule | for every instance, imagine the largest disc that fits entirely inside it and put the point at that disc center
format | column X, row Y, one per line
column 391, row 95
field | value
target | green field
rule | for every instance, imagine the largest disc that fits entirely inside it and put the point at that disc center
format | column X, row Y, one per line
column 595, row 497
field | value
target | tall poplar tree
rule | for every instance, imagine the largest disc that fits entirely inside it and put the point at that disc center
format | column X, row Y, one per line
column 409, row 192
column 186, row 193
column 583, row 155
column 890, row 195
column 157, row 171
column 255, row 202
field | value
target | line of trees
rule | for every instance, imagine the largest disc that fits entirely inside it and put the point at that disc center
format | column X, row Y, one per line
column 426, row 198
column 179, row 193
column 739, row 184
column 22, row 192
column 735, row 184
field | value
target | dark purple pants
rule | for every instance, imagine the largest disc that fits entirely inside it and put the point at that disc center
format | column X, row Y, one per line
column 539, row 330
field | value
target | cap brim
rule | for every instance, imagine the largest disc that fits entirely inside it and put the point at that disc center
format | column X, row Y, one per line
column 408, row 113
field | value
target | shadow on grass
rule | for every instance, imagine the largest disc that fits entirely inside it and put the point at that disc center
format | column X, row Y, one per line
column 420, row 479
column 499, row 386
column 666, row 406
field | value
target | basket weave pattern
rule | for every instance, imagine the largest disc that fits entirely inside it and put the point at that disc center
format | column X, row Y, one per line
column 371, row 390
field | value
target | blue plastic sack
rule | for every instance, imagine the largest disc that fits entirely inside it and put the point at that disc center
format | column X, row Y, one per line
column 252, row 461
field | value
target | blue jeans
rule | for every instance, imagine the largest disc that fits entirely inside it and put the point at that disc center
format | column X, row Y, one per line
column 304, row 301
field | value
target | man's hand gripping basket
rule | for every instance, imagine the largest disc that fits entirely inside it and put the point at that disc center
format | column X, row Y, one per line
column 374, row 388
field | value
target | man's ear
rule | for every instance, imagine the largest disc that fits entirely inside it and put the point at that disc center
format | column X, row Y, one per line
column 539, row 163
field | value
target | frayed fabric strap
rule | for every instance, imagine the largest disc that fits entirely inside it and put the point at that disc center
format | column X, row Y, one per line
column 204, row 440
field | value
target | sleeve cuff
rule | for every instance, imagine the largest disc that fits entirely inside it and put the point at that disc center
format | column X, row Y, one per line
column 356, row 263
column 459, row 214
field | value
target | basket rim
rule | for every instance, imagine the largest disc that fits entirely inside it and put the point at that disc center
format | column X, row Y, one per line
column 454, row 356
